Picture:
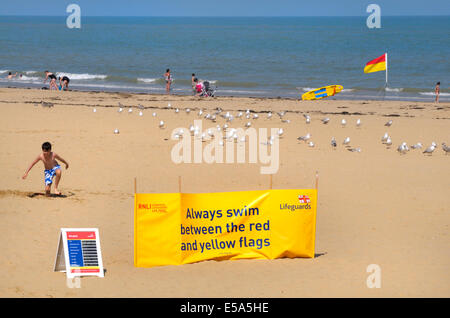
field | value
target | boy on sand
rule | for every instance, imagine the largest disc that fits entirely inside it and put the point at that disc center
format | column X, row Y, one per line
column 52, row 167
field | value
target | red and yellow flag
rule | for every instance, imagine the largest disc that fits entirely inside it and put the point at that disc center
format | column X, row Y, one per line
column 378, row 64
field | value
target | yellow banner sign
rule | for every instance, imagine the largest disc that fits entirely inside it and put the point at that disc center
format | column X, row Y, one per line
column 182, row 228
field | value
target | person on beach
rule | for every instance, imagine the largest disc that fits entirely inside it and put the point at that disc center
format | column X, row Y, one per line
column 52, row 77
column 193, row 83
column 52, row 167
column 64, row 83
column 10, row 75
column 168, row 78
column 437, row 90
column 198, row 87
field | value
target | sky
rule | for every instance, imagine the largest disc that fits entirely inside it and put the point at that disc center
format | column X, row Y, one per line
column 224, row 7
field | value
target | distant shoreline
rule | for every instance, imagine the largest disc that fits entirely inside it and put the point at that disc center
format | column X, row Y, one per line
column 180, row 92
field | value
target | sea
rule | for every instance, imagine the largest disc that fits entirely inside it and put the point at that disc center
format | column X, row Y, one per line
column 240, row 56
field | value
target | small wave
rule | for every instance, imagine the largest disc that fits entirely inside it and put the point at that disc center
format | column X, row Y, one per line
column 307, row 89
column 28, row 78
column 85, row 76
column 389, row 89
column 433, row 94
column 3, row 71
column 147, row 80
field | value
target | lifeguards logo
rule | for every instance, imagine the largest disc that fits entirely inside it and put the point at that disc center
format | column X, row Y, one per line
column 153, row 207
column 304, row 201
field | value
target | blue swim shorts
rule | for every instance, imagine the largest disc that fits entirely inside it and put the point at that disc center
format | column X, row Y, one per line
column 50, row 173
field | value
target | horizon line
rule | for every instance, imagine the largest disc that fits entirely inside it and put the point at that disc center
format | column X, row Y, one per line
column 226, row 16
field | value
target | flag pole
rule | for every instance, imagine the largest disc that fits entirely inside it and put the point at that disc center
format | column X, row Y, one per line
column 386, row 58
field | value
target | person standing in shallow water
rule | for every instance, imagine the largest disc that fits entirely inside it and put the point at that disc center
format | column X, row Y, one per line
column 437, row 90
column 168, row 78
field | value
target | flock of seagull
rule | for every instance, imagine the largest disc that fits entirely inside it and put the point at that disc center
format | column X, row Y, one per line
column 232, row 133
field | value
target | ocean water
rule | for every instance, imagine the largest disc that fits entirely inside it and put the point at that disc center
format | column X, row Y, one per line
column 263, row 57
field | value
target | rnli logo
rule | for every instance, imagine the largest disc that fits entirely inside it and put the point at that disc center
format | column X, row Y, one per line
column 153, row 207
column 304, row 199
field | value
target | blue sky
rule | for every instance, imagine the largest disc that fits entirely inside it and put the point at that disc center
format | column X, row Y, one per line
column 225, row 7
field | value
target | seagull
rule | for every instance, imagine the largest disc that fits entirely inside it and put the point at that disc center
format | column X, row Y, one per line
column 248, row 124
column 188, row 110
column 445, row 148
column 154, row 114
column 281, row 114
column 358, row 122
column 239, row 115
column 191, row 128
column 200, row 112
column 431, row 148
column 346, row 141
column 269, row 115
column 389, row 141
column 255, row 116
column 343, row 122
column 354, row 149
column 116, row 131
column 385, row 137
column 311, row 144
column 213, row 118
column 417, row 146
column 176, row 110
column 161, row 124
column 210, row 132
column 333, row 142
column 230, row 118
column 130, row 110
column 120, row 109
column 280, row 132
column 305, row 138
column 94, row 110
column 403, row 148
column 225, row 126
column 140, row 113
column 140, row 106
column 307, row 117
column 169, row 105
column 287, row 121
column 325, row 120
column 389, row 123
column 247, row 116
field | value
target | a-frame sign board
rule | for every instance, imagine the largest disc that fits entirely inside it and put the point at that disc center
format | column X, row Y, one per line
column 79, row 253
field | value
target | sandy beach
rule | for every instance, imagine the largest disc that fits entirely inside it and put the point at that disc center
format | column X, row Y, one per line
column 375, row 207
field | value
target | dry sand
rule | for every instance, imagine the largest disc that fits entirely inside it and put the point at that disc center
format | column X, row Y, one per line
column 375, row 207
